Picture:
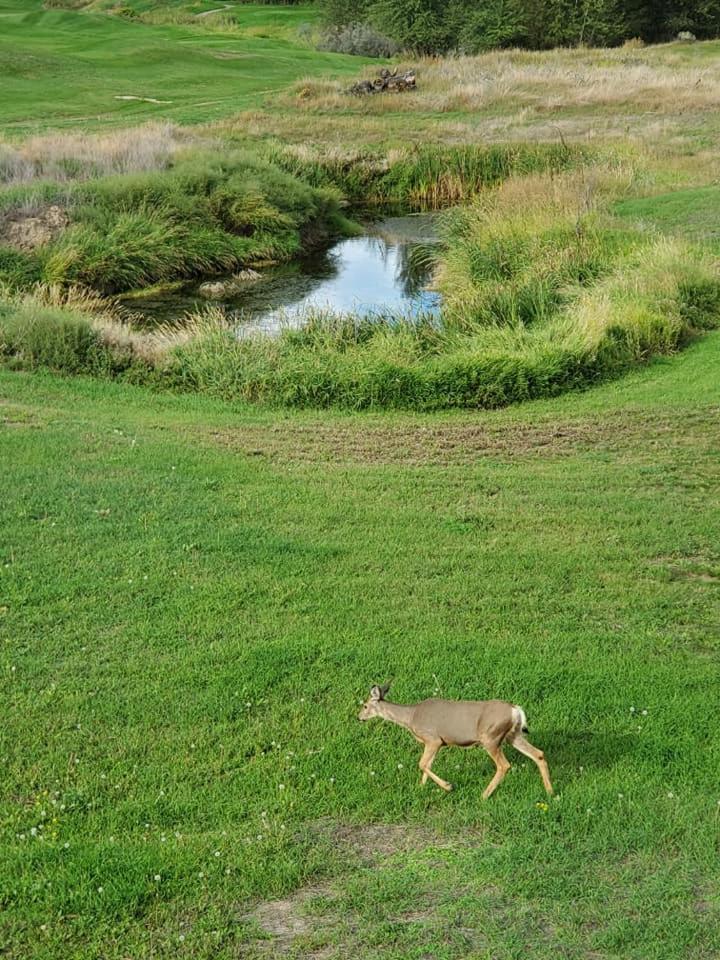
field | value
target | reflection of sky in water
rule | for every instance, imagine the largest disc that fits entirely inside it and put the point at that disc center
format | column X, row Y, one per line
column 383, row 271
column 370, row 275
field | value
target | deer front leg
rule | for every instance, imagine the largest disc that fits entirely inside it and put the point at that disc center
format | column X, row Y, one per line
column 501, row 768
column 429, row 753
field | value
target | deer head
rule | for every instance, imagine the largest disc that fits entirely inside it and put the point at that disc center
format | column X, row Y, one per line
column 370, row 707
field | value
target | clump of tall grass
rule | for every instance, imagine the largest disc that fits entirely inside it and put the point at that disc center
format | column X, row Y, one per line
column 208, row 213
column 549, row 80
column 518, row 253
column 424, row 178
column 75, row 330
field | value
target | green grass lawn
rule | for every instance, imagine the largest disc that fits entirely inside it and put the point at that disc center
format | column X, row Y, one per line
column 693, row 213
column 195, row 597
column 63, row 68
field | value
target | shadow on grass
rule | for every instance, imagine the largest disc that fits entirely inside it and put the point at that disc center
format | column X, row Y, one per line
column 584, row 748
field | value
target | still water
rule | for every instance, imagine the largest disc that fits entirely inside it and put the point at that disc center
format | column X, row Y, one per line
column 387, row 270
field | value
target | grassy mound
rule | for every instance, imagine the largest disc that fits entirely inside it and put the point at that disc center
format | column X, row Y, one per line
column 62, row 66
column 205, row 213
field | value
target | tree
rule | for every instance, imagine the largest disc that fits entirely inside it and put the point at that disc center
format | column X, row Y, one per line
column 418, row 25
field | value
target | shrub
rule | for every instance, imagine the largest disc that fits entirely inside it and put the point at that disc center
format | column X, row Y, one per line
column 357, row 39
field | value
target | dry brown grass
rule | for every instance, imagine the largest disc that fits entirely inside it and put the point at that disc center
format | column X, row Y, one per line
column 661, row 95
column 649, row 79
column 463, row 441
column 74, row 156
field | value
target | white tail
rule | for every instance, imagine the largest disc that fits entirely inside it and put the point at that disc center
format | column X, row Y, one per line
column 461, row 723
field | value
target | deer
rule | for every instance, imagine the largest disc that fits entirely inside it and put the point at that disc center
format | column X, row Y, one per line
column 460, row 723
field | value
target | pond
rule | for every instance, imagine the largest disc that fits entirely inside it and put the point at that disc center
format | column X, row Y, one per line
column 386, row 270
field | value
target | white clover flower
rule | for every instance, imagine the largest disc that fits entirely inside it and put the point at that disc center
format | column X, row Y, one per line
column 100, row 889
column 644, row 713
column 217, row 853
column 281, row 786
column 181, row 938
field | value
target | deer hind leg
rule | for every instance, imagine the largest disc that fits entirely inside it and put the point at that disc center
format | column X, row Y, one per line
column 501, row 768
column 429, row 754
column 537, row 756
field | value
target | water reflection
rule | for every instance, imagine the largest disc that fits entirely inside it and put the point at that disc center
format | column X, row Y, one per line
column 386, row 270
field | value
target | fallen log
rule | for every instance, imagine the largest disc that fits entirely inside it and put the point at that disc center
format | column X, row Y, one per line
column 386, row 82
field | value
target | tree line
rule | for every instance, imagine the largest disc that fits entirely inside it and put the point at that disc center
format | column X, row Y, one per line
column 471, row 26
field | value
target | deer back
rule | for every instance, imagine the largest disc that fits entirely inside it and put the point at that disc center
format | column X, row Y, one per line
column 463, row 722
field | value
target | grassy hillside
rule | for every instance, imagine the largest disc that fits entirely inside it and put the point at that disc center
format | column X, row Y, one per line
column 195, row 598
column 62, row 68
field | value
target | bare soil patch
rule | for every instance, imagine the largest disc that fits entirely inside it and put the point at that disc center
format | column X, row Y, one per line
column 287, row 925
column 29, row 230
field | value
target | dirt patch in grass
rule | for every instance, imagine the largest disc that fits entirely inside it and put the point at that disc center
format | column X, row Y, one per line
column 368, row 841
column 371, row 442
column 286, row 925
column 29, row 230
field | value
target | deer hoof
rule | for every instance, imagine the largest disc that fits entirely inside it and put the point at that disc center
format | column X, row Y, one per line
column 448, row 787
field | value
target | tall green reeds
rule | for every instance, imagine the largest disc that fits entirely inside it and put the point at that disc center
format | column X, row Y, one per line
column 424, row 178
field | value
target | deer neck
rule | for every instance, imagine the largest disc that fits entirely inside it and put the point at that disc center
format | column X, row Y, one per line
column 396, row 713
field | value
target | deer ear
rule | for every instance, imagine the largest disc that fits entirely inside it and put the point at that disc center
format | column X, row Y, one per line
column 384, row 689
column 376, row 693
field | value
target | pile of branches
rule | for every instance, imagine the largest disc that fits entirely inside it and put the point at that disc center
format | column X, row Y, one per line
column 386, row 82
